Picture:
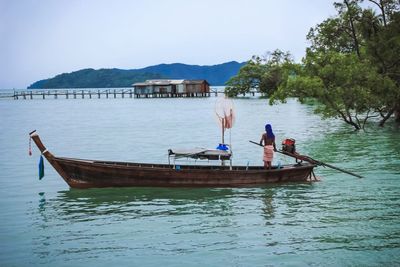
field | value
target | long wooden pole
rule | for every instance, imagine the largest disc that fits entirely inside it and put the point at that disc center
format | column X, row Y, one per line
column 223, row 130
column 311, row 160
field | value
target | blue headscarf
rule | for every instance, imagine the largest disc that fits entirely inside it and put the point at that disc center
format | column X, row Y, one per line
column 268, row 130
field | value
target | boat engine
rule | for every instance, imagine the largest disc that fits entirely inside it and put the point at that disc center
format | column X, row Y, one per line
column 289, row 145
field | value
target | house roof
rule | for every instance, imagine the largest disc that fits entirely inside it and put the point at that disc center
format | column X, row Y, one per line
column 195, row 81
column 139, row 84
column 169, row 82
column 159, row 82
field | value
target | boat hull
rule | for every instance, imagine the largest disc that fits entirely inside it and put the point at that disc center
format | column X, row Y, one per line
column 87, row 174
column 80, row 173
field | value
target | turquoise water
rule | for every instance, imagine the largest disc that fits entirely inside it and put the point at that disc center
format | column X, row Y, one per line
column 340, row 221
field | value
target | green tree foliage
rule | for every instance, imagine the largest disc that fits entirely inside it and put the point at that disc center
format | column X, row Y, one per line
column 352, row 65
column 382, row 47
column 351, row 68
column 262, row 74
column 344, row 86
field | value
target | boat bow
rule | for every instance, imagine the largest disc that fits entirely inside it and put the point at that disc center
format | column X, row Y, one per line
column 49, row 156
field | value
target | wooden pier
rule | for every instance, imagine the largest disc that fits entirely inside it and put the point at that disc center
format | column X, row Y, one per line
column 171, row 95
column 69, row 94
column 101, row 93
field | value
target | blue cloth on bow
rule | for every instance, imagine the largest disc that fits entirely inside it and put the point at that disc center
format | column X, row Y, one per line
column 41, row 167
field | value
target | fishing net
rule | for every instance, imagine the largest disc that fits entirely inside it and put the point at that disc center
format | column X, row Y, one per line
column 225, row 113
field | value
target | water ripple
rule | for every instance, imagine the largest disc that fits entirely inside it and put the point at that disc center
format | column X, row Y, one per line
column 340, row 221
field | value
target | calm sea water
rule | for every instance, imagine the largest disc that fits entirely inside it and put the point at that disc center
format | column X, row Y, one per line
column 340, row 221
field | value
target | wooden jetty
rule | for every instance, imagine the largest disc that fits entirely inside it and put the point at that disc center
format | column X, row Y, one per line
column 70, row 93
column 169, row 95
column 101, row 93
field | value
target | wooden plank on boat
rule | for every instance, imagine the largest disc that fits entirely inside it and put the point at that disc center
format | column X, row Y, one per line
column 201, row 153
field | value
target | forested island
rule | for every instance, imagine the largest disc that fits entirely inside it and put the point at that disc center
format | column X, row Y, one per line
column 351, row 69
column 106, row 78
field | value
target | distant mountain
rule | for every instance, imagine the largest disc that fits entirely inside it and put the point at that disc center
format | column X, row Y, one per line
column 102, row 78
column 215, row 74
column 90, row 78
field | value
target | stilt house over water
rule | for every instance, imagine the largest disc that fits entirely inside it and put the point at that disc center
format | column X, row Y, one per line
column 172, row 88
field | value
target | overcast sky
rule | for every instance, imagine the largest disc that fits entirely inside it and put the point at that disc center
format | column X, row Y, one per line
column 42, row 38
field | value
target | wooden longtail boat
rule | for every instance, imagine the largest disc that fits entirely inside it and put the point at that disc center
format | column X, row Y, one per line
column 81, row 173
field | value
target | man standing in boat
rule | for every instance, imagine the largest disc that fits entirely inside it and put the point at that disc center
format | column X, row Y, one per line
column 268, row 142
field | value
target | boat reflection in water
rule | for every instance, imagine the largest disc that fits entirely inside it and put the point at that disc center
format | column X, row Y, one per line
column 132, row 203
column 167, row 220
column 105, row 204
